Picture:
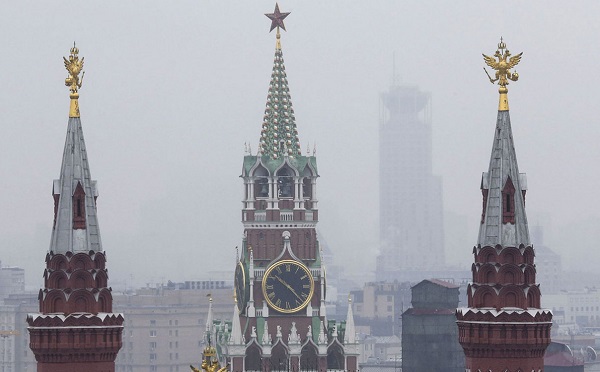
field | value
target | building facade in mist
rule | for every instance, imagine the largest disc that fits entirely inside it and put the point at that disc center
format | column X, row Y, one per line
column 410, row 196
column 504, row 327
column 75, row 329
column 164, row 325
column 280, row 320
column 429, row 331
column 548, row 264
column 378, row 307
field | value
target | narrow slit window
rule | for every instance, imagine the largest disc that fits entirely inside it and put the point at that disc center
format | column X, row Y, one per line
column 508, row 202
column 78, row 207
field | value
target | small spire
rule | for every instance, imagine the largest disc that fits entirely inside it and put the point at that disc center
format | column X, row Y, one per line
column 502, row 66
column 350, row 334
column 74, row 67
column 236, row 329
column 266, row 337
column 322, row 338
column 209, row 316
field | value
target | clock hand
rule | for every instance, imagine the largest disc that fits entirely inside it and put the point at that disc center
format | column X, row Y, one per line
column 288, row 287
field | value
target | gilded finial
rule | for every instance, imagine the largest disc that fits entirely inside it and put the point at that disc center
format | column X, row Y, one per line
column 502, row 66
column 74, row 67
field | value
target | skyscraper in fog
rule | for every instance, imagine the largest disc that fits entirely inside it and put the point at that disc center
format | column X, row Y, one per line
column 410, row 196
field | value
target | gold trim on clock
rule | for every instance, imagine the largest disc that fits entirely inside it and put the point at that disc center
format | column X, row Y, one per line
column 285, row 290
column 240, row 296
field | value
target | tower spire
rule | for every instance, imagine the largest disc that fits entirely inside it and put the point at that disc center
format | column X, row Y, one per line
column 76, row 298
column 503, row 294
column 75, row 193
column 279, row 135
column 504, row 220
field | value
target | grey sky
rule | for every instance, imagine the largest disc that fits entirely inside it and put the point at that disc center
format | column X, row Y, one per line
column 173, row 90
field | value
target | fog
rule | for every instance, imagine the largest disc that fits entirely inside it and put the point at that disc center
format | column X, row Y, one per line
column 173, row 90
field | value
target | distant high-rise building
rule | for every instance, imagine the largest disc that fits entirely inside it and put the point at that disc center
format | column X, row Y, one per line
column 12, row 281
column 504, row 327
column 410, row 195
column 548, row 264
column 75, row 329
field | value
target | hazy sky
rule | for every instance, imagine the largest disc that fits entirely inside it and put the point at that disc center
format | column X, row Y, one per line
column 173, row 89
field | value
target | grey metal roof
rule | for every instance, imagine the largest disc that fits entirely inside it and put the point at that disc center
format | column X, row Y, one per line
column 503, row 164
column 75, row 170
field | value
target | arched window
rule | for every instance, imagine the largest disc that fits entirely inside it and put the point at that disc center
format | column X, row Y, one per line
column 252, row 361
column 79, row 207
column 261, row 183
column 508, row 202
column 335, row 357
column 285, row 183
column 307, row 188
column 308, row 359
column 279, row 358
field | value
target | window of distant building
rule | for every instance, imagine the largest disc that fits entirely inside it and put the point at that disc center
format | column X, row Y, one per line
column 153, row 322
column 153, row 333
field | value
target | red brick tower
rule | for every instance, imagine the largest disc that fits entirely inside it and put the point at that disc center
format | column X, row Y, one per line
column 75, row 329
column 504, row 328
column 280, row 277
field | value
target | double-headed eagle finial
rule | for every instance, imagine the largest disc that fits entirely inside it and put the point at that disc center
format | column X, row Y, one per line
column 505, row 61
column 74, row 67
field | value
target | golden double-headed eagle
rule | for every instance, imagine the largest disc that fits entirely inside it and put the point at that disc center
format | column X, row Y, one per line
column 502, row 66
column 74, row 67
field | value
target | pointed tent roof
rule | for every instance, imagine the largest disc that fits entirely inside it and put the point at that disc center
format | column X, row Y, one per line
column 279, row 135
column 236, row 328
column 75, row 176
column 350, row 333
column 503, row 166
column 209, row 318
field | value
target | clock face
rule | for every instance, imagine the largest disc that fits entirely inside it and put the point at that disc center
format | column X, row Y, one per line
column 240, row 286
column 288, row 286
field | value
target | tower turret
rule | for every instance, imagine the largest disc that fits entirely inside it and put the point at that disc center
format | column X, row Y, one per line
column 280, row 278
column 75, row 328
column 504, row 327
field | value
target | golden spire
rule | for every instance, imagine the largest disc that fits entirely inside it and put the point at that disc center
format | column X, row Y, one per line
column 278, row 42
column 502, row 66
column 74, row 66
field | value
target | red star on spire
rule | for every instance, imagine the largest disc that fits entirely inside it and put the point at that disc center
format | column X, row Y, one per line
column 277, row 18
